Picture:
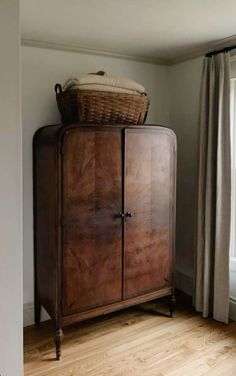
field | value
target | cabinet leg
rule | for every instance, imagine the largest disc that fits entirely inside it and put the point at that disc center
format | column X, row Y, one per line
column 58, row 339
column 172, row 304
column 37, row 312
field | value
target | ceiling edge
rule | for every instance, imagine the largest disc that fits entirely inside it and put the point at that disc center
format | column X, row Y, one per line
column 200, row 52
column 91, row 51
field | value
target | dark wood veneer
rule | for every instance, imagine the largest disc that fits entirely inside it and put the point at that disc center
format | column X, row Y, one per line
column 149, row 198
column 92, row 237
column 104, row 212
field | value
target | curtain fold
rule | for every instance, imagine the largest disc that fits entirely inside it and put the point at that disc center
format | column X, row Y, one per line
column 214, row 190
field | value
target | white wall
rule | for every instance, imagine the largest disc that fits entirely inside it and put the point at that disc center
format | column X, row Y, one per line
column 41, row 69
column 184, row 84
column 11, row 347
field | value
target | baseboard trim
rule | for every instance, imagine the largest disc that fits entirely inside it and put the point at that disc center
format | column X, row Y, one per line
column 232, row 308
column 184, row 282
column 28, row 314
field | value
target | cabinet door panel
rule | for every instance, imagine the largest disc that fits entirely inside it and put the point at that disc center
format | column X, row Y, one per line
column 92, row 231
column 149, row 195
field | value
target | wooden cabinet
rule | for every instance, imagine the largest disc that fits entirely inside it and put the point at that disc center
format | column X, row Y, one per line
column 104, row 213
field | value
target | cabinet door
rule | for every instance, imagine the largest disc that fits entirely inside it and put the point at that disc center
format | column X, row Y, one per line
column 149, row 196
column 92, row 231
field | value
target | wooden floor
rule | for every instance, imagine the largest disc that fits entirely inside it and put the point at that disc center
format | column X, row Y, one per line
column 135, row 342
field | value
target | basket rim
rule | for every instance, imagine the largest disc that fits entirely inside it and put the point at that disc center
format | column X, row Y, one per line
column 101, row 93
column 110, row 93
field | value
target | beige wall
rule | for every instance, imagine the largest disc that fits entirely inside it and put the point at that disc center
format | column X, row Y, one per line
column 11, row 348
column 184, row 104
column 41, row 69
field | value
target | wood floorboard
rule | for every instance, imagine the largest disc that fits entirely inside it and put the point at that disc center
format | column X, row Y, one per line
column 135, row 342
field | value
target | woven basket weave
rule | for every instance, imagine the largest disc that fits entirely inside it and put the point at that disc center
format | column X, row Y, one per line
column 90, row 106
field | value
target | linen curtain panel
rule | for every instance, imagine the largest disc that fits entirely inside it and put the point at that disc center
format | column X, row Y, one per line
column 214, row 190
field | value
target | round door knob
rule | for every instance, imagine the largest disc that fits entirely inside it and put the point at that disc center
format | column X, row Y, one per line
column 129, row 214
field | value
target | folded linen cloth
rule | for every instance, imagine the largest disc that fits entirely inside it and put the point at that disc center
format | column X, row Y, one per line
column 111, row 89
column 103, row 83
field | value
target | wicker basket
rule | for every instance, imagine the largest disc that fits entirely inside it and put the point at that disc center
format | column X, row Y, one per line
column 90, row 106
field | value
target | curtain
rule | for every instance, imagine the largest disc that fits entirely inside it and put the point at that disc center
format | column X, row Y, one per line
column 214, row 191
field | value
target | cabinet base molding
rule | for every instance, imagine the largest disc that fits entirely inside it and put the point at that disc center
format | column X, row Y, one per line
column 28, row 309
column 115, row 306
column 64, row 321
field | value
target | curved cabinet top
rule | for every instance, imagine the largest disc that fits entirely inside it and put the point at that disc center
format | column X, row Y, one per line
column 54, row 134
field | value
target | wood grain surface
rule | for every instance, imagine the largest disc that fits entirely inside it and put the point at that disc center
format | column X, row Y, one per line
column 149, row 197
column 92, row 228
column 135, row 343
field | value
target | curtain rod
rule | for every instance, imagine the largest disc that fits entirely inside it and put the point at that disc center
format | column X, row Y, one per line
column 226, row 49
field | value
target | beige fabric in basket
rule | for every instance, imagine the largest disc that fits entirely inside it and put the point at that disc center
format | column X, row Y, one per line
column 104, row 83
column 111, row 89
